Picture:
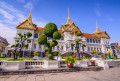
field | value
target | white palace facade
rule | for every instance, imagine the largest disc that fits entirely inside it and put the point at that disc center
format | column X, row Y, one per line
column 98, row 41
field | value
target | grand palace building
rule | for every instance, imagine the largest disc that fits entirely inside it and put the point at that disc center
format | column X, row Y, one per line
column 98, row 41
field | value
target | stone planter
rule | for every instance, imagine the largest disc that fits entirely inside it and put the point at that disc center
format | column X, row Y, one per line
column 81, row 63
column 51, row 64
column 13, row 65
column 93, row 61
column 36, row 57
column 69, row 65
column 55, row 57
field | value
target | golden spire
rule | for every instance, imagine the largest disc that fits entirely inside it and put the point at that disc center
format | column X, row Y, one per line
column 69, row 20
column 97, row 29
column 29, row 17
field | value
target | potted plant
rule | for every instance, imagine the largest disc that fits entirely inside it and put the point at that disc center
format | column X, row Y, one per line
column 70, row 60
column 35, row 55
column 2, row 54
column 93, row 58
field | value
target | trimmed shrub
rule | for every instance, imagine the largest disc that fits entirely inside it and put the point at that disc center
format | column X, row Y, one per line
column 49, row 56
column 55, row 53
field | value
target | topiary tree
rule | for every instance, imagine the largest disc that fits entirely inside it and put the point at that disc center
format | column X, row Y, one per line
column 50, row 30
column 20, row 43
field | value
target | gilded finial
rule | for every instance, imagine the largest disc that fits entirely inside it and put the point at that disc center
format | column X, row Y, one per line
column 97, row 29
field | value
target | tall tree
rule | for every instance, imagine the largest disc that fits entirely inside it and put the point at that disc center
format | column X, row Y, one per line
column 20, row 43
column 50, row 30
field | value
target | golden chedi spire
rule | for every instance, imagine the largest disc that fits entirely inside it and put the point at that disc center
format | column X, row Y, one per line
column 69, row 20
column 97, row 29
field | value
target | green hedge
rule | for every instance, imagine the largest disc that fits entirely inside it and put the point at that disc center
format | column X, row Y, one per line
column 55, row 53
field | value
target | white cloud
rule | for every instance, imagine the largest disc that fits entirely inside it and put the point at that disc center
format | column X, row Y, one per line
column 40, row 23
column 28, row 5
column 6, row 14
column 12, row 17
column 6, row 32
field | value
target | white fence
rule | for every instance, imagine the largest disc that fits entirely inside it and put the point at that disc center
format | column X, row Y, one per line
column 34, row 63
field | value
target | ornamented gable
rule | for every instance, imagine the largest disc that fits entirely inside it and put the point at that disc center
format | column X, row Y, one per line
column 27, row 24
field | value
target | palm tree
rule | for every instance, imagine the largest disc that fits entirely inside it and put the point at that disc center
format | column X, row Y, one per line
column 93, row 52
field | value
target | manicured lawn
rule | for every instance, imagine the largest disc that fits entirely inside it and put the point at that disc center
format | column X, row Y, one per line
column 19, row 59
column 50, row 59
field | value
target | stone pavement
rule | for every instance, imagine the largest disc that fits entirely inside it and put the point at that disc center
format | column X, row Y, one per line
column 112, row 74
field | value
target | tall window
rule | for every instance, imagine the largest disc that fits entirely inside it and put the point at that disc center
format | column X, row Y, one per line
column 62, row 38
column 100, row 49
column 35, row 35
column 35, row 46
column 87, row 40
column 57, row 47
column 61, row 47
column 88, row 48
column 93, row 40
column 72, row 48
column 91, row 48
column 90, row 40
column 97, row 50
column 39, row 46
column 98, row 41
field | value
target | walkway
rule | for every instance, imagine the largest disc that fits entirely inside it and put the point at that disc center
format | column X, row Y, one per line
column 112, row 74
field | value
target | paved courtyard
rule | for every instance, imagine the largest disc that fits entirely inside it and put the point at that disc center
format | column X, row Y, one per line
column 112, row 74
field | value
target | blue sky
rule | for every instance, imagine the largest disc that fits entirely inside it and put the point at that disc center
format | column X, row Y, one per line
column 84, row 13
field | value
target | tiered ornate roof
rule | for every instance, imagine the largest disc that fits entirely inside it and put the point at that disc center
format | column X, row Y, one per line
column 72, row 28
column 27, row 24
column 68, row 27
